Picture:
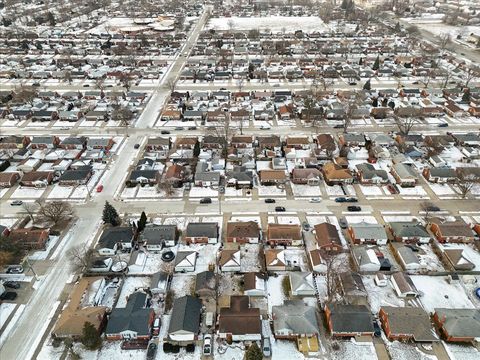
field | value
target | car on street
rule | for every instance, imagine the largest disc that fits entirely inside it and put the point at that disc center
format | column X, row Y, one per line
column 207, row 344
column 178, row 127
column 376, row 329
column 315, row 200
column 12, row 284
column 270, row 201
column 156, row 327
column 343, row 223
column 206, row 200
column 192, row 128
column 14, row 269
column 338, row 126
column 306, row 226
column 265, row 127
column 86, row 85
column 151, row 351
column 354, row 208
column 211, row 127
column 164, row 132
column 443, row 125
column 36, row 84
column 99, row 188
column 136, row 146
column 266, row 347
column 16, row 203
column 432, row 208
column 279, row 208
column 341, row 199
column 351, row 199
column 8, row 295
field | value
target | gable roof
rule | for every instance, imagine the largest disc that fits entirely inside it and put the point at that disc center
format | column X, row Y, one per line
column 239, row 318
column 243, row 229
column 326, row 233
column 185, row 315
column 412, row 321
column 350, row 319
column 295, row 317
column 368, row 231
column 408, row 229
column 208, row 229
column 133, row 317
column 462, row 323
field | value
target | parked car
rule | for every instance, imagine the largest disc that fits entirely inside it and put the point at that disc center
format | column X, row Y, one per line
column 8, row 295
column 211, row 127
column 443, row 125
column 156, row 327
column 164, row 132
column 266, row 347
column 99, row 188
column 351, row 199
column 391, row 189
column 270, row 201
column 343, row 223
column 151, row 351
column 315, row 200
column 209, row 319
column 339, row 126
column 279, row 208
column 265, row 127
column 14, row 269
column 376, row 329
column 16, row 203
column 354, row 208
column 207, row 344
column 179, row 128
column 206, row 200
column 12, row 284
column 136, row 146
column 432, row 208
column 340, row 199
column 192, row 128
column 306, row 226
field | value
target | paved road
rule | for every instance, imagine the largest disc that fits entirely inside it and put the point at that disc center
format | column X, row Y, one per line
column 24, row 340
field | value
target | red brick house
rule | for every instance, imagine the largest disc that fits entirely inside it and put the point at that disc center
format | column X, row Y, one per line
column 457, row 325
column 406, row 323
column 456, row 231
column 30, row 239
column 284, row 234
column 8, row 179
column 328, row 238
column 243, row 232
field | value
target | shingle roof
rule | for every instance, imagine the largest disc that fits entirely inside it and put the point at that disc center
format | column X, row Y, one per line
column 296, row 317
column 185, row 314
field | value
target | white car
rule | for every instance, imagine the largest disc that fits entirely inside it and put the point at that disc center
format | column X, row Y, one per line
column 207, row 344
column 315, row 200
column 265, row 127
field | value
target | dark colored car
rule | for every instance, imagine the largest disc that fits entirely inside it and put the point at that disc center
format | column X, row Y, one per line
column 443, row 125
column 432, row 208
column 179, row 128
column 192, row 128
column 8, row 295
column 136, row 146
column 206, row 200
column 279, row 208
column 270, row 201
column 338, row 127
column 306, row 226
column 152, row 351
column 352, row 199
column 16, row 203
column 15, row 269
column 12, row 284
column 354, row 208
column 165, row 132
column 340, row 199
column 376, row 329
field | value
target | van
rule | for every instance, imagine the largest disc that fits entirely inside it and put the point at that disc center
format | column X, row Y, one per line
column 209, row 319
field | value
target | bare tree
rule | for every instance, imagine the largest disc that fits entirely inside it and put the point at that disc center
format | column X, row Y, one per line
column 224, row 132
column 465, row 182
column 471, row 73
column 405, row 124
column 25, row 94
column 55, row 211
column 426, row 208
column 81, row 257
column 230, row 24
column 333, row 264
column 100, row 83
column 240, row 83
column 67, row 76
column 30, row 209
column 166, row 186
column 126, row 80
column 123, row 115
column 445, row 40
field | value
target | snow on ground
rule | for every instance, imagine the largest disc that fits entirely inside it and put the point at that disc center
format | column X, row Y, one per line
column 315, row 220
column 257, row 219
column 274, row 23
column 60, row 192
column 275, row 293
column 215, row 219
column 288, row 220
column 271, row 191
column 8, row 222
column 27, row 193
column 306, row 190
column 438, row 293
column 402, row 351
column 468, row 252
column 371, row 190
column 42, row 255
column 198, row 192
column 356, row 219
column 182, row 284
column 441, row 189
column 249, row 258
column 181, row 222
column 148, row 192
column 207, row 254
column 11, row 324
column 461, row 352
column 48, row 352
column 416, row 191
column 129, row 286
column 334, row 191
column 129, row 192
column 351, row 350
column 146, row 263
column 5, row 310
column 379, row 296
column 395, row 218
column 429, row 259
column 282, row 349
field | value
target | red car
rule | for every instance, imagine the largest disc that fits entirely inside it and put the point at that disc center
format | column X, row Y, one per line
column 99, row 188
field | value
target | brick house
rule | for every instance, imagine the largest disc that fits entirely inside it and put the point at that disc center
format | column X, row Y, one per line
column 328, row 238
column 456, row 231
column 30, row 239
column 406, row 323
column 243, row 232
column 284, row 234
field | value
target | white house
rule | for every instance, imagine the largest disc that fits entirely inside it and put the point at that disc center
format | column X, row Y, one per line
column 365, row 259
column 403, row 285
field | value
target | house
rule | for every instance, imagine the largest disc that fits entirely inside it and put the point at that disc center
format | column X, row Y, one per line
column 309, row 176
column 365, row 259
column 100, row 265
column 367, row 174
column 294, row 319
column 326, row 145
column 201, row 233
column 176, row 175
column 335, row 174
column 155, row 237
column 37, row 179
column 458, row 325
column 185, row 261
column 45, row 142
column 301, row 284
column 143, row 177
column 74, row 316
column 404, row 175
column 185, row 319
column 8, row 179
column 352, row 288
column 365, row 233
column 406, row 257
column 352, row 140
column 115, row 238
column 284, row 234
column 100, row 144
column 240, row 322
column 14, row 142
column 76, row 177
column 254, row 284
column 457, row 260
column 206, row 284
column 30, row 239
column 409, row 232
column 73, row 143
column 132, row 322
column 406, row 323
column 275, row 260
column 328, row 238
column 272, row 177
column 317, row 261
column 204, row 176
column 229, row 260
column 160, row 283
column 454, row 231
column 349, row 320
column 243, row 232
column 403, row 285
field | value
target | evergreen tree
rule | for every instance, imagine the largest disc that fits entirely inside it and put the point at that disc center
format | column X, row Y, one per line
column 344, row 4
column 466, row 96
column 142, row 222
column 367, row 85
column 398, row 28
column 110, row 215
column 90, row 337
column 196, row 149
column 376, row 65
column 253, row 352
column 360, row 62
column 51, row 19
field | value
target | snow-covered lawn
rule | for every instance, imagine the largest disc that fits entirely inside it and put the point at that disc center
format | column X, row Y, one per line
column 306, row 190
column 429, row 259
column 271, row 191
column 416, row 191
column 130, row 285
column 198, row 192
column 379, row 296
column 441, row 189
column 181, row 222
column 275, row 291
column 287, row 220
column 182, row 284
column 371, row 190
column 351, row 350
column 129, row 192
column 5, row 310
column 148, row 192
column 334, row 190
column 43, row 254
column 281, row 349
column 438, row 293
column 60, row 192
column 356, row 219
column 402, row 351
column 249, row 257
column 207, row 254
column 274, row 23
column 468, row 252
column 257, row 219
column 28, row 193
column 146, row 263
column 462, row 352
column 8, row 222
